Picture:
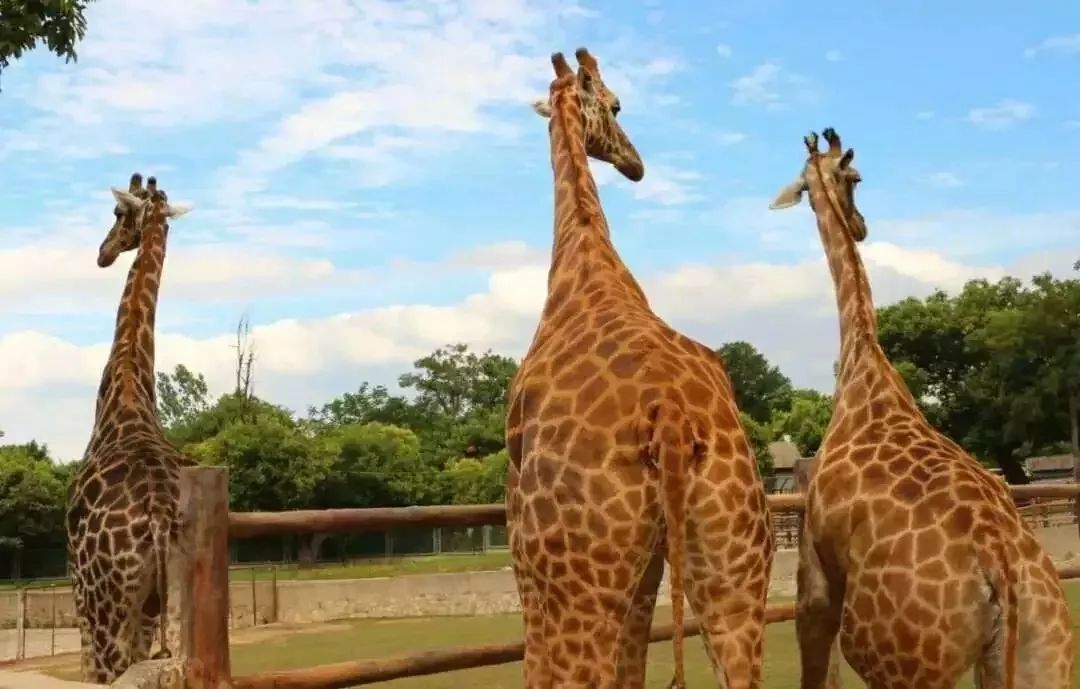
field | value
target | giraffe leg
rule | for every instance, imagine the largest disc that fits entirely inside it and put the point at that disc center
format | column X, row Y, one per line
column 1046, row 649
column 635, row 644
column 818, row 612
column 729, row 560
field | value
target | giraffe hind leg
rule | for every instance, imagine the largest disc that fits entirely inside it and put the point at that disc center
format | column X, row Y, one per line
column 818, row 612
column 635, row 644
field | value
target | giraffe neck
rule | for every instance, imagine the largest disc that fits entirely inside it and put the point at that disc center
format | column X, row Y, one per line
column 128, row 379
column 854, row 301
column 582, row 247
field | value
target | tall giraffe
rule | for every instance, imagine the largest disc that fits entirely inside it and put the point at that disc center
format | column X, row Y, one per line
column 625, row 443
column 121, row 510
column 912, row 552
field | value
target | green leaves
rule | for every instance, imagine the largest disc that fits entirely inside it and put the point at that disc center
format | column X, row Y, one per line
column 760, row 388
column 32, row 497
column 995, row 366
column 59, row 24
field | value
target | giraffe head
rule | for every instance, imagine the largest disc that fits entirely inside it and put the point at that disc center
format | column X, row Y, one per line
column 604, row 138
column 131, row 211
column 831, row 175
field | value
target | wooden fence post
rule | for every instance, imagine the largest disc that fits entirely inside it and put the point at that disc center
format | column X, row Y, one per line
column 20, row 624
column 203, row 573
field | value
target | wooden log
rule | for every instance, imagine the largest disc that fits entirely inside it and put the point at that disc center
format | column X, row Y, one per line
column 202, row 569
column 249, row 524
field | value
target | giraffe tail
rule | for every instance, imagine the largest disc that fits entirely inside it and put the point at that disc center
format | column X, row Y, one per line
column 160, row 525
column 672, row 447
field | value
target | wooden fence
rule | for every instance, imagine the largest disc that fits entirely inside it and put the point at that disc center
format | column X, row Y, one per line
column 199, row 572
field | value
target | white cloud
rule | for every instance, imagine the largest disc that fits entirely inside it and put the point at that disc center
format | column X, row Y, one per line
column 943, row 179
column 1065, row 45
column 771, row 86
column 723, row 50
column 662, row 66
column 925, row 115
column 833, row 56
column 1005, row 114
column 730, row 138
column 664, row 184
column 786, row 309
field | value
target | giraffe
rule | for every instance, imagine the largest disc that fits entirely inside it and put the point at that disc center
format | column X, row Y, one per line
column 124, row 494
column 913, row 555
column 625, row 445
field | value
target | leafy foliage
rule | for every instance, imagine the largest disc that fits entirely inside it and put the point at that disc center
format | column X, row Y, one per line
column 994, row 367
column 806, row 421
column 59, row 24
column 181, row 396
column 760, row 388
column 32, row 497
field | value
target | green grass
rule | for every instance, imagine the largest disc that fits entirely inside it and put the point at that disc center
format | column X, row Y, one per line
column 396, row 637
column 354, row 639
column 367, row 569
column 388, row 567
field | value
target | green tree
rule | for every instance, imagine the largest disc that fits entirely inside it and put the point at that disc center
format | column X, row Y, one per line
column 273, row 464
column 32, row 500
column 452, row 381
column 759, row 435
column 1033, row 367
column 59, row 24
column 375, row 465
column 231, row 408
column 760, row 388
column 368, row 404
column 806, row 421
column 953, row 352
column 478, row 481
column 181, row 396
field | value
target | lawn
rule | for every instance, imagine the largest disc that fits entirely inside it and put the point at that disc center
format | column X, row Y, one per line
column 381, row 638
column 366, row 569
column 381, row 567
column 273, row 648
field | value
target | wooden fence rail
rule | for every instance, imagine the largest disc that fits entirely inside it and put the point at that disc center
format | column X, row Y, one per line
column 199, row 574
column 248, row 524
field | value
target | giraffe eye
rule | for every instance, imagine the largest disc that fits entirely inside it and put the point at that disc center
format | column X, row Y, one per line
column 616, row 107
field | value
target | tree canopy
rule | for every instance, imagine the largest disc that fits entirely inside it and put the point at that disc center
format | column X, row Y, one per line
column 58, row 24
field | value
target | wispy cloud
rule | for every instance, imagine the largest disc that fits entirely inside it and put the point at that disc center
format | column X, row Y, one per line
column 723, row 50
column 1005, row 114
column 729, row 138
column 1064, row 45
column 942, row 179
column 771, row 86
column 833, row 56
column 925, row 115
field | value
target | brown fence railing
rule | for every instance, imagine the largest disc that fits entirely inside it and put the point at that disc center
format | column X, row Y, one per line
column 201, row 562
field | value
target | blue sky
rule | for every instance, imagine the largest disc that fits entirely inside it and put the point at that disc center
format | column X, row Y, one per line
column 369, row 181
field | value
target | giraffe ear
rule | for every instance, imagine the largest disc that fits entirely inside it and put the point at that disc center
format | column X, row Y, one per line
column 175, row 210
column 127, row 200
column 790, row 195
column 542, row 108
